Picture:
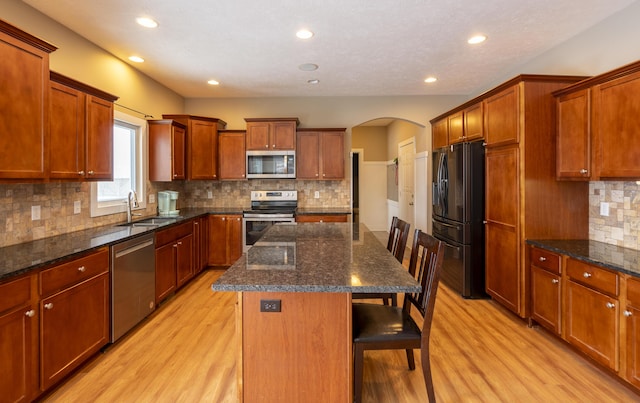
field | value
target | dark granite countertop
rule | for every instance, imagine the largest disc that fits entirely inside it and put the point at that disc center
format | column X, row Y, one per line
column 322, row 210
column 305, row 257
column 614, row 257
column 22, row 258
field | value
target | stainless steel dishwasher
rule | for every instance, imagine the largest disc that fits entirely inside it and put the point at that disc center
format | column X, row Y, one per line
column 133, row 283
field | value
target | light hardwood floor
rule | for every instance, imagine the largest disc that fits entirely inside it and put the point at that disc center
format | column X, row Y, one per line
column 479, row 353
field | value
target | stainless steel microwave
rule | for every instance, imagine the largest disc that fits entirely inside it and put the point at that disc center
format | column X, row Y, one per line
column 271, row 164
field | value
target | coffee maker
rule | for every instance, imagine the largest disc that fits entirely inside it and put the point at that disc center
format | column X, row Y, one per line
column 167, row 201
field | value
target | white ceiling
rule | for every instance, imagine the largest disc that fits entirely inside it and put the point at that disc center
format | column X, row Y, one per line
column 362, row 47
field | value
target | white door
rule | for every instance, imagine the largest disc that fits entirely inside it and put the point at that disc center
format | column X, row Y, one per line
column 406, row 184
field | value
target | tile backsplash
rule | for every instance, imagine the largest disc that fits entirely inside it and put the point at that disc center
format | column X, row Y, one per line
column 56, row 201
column 622, row 226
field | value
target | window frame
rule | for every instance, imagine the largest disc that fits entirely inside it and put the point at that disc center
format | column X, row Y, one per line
column 118, row 206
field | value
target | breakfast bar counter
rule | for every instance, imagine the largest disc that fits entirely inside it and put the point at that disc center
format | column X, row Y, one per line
column 294, row 308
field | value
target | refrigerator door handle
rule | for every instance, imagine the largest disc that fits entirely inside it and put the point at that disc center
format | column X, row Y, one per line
column 448, row 225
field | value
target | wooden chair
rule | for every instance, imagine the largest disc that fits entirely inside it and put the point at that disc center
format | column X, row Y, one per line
column 397, row 243
column 382, row 327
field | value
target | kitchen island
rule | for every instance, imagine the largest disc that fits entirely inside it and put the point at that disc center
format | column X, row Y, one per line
column 293, row 315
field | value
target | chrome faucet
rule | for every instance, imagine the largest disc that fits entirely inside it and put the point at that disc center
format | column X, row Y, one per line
column 132, row 202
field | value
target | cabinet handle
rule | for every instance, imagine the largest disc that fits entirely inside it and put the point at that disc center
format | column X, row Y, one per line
column 542, row 259
column 586, row 274
column 90, row 172
column 223, row 218
column 175, row 175
column 196, row 223
column 82, row 269
column 555, row 281
column 31, row 313
column 611, row 305
column 273, row 146
column 238, row 219
column 583, row 171
column 628, row 313
column 180, row 243
column 80, row 172
column 316, row 175
column 175, row 245
column 48, row 305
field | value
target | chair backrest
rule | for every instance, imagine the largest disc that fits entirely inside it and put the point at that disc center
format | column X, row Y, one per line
column 398, row 235
column 425, row 265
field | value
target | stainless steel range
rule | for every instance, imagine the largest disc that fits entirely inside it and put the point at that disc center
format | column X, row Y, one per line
column 268, row 207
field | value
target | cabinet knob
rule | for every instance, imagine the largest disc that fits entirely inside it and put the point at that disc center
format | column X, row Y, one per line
column 82, row 269
column 555, row 281
column 238, row 219
column 542, row 259
column 611, row 305
column 180, row 243
column 266, row 146
column 31, row 313
column 48, row 305
column 583, row 171
column 196, row 223
column 175, row 175
column 224, row 218
column 628, row 313
column 316, row 175
column 90, row 172
column 273, row 146
column 586, row 274
column 80, row 172
column 175, row 245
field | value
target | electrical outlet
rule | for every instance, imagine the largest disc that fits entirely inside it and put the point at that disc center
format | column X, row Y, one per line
column 35, row 213
column 316, row 195
column 152, row 198
column 269, row 305
column 77, row 206
column 604, row 209
column 209, row 194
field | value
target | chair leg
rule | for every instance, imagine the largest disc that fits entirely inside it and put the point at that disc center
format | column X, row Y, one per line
column 426, row 372
column 385, row 301
column 410, row 360
column 394, row 299
column 358, row 375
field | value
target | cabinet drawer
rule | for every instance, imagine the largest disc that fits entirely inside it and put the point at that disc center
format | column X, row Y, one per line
column 593, row 276
column 633, row 291
column 546, row 260
column 321, row 218
column 73, row 272
column 171, row 234
column 15, row 293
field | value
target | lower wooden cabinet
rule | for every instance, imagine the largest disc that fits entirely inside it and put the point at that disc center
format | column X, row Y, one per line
column 225, row 239
column 174, row 259
column 323, row 218
column 200, row 244
column 546, row 299
column 631, row 316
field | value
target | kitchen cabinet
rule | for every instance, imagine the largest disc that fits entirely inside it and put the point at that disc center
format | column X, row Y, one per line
column 24, row 79
column 81, row 130
column 271, row 134
column 225, row 239
column 440, row 133
column 546, row 289
column 74, row 314
column 200, row 244
column 632, row 318
column 456, row 127
column 320, row 154
column 460, row 125
column 232, row 154
column 502, row 117
column 202, row 145
column 167, row 139
column 322, row 218
column 19, row 339
column 473, row 122
column 573, row 161
column 592, row 311
column 174, row 259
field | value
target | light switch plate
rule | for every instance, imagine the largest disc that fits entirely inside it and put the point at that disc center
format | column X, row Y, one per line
column 316, row 194
column 209, row 194
column 152, row 197
column 77, row 207
column 604, row 209
column 35, row 213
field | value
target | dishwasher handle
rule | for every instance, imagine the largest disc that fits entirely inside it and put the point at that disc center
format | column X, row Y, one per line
column 134, row 248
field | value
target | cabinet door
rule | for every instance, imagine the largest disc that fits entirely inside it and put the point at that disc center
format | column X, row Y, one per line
column 74, row 325
column 502, row 117
column 99, row 132
column 592, row 323
column 203, row 150
column 200, row 244
column 232, row 156
column 616, row 126
column 503, row 271
column 257, row 135
column 573, row 157
column 308, row 156
column 545, row 298
column 217, row 240
column 332, row 155
column 234, row 239
column 632, row 315
column 165, row 271
column 473, row 129
column 24, row 79
column 440, row 133
column 66, row 130
column 456, row 128
column 283, row 135
column 178, row 141
column 184, row 259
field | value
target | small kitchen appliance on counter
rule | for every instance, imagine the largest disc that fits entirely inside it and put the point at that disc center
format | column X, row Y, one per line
column 167, row 201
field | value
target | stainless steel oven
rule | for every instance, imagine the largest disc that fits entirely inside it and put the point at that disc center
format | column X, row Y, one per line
column 267, row 208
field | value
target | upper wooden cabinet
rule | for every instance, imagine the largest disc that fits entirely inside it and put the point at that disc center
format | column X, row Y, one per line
column 231, row 154
column 460, row 125
column 202, row 145
column 166, row 150
column 320, row 154
column 599, row 126
column 456, row 127
column 24, row 104
column 473, row 122
column 81, row 130
column 502, row 117
column 440, row 133
column 271, row 134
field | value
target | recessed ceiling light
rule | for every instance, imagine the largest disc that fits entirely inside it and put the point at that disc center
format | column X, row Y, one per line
column 308, row 67
column 146, row 22
column 136, row 59
column 430, row 80
column 477, row 39
column 304, row 34
column 313, row 81
column 213, row 82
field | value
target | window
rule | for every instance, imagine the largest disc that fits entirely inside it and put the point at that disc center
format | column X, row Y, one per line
column 129, row 160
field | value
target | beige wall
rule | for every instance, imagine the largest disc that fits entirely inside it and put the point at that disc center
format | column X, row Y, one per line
column 401, row 130
column 372, row 139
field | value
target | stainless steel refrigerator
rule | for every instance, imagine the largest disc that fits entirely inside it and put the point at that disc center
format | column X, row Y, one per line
column 458, row 215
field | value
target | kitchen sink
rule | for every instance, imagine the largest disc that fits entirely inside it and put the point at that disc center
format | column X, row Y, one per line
column 152, row 222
